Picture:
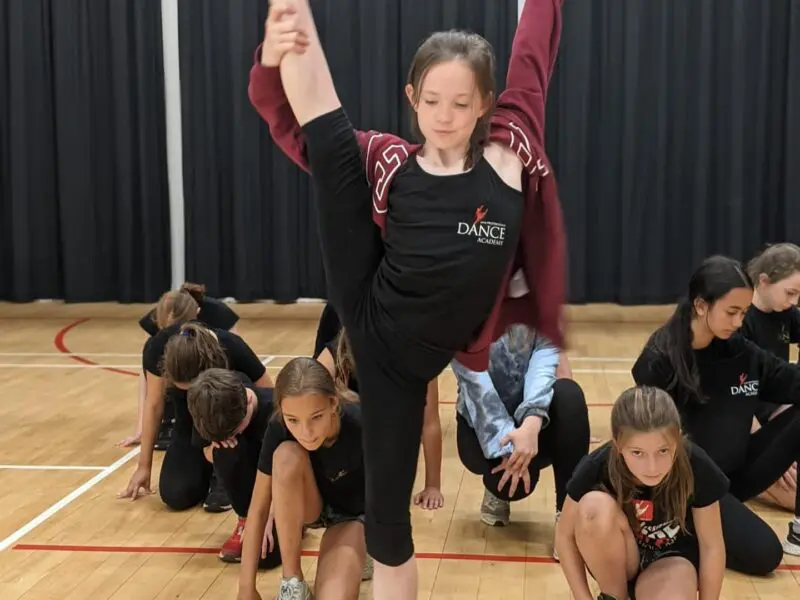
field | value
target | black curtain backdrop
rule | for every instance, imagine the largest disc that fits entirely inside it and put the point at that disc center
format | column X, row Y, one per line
column 251, row 229
column 84, row 205
column 674, row 128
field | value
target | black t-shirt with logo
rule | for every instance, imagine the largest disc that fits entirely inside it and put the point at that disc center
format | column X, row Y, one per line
column 735, row 375
column 240, row 358
column 213, row 313
column 338, row 468
column 655, row 533
column 449, row 242
column 773, row 331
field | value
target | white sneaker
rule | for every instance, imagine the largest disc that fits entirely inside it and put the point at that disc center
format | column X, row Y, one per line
column 294, row 588
column 555, row 552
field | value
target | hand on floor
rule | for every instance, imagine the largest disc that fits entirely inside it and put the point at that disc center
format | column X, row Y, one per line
column 430, row 498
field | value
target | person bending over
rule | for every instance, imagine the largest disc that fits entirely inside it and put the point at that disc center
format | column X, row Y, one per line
column 310, row 472
column 518, row 418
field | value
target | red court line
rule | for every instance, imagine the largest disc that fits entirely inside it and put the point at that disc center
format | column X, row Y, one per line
column 61, row 346
column 547, row 560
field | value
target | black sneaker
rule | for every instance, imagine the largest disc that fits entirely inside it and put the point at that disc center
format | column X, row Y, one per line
column 165, row 432
column 791, row 544
column 604, row 596
column 217, row 500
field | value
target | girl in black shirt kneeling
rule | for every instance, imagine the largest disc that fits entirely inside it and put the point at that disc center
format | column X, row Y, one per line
column 311, row 472
column 718, row 379
column 642, row 511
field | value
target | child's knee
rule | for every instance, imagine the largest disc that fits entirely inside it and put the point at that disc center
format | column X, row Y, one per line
column 289, row 460
column 598, row 515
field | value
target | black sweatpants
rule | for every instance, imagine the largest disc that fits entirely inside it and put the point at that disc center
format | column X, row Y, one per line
column 185, row 472
column 393, row 372
column 562, row 444
column 236, row 469
column 751, row 545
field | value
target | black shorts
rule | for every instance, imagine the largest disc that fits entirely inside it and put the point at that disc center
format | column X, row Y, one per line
column 685, row 547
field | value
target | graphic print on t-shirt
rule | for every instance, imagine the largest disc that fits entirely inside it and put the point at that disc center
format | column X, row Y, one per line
column 485, row 232
column 745, row 387
column 654, row 533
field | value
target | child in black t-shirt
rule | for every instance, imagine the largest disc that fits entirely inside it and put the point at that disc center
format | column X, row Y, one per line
column 773, row 323
column 230, row 419
column 642, row 511
column 187, row 303
column 311, row 472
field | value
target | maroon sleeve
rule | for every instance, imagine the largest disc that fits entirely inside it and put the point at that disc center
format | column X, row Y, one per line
column 533, row 58
column 267, row 96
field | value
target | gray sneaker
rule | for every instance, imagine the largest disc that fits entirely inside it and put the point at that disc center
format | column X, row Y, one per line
column 792, row 543
column 494, row 511
column 294, row 588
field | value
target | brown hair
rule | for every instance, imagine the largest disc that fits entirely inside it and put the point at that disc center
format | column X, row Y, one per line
column 641, row 410
column 446, row 46
column 344, row 363
column 217, row 401
column 302, row 376
column 179, row 306
column 190, row 352
column 777, row 262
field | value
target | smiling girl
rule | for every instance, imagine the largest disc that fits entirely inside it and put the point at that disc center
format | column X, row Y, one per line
column 310, row 472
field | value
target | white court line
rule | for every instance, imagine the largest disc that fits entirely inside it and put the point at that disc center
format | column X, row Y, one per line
column 65, row 501
column 49, row 468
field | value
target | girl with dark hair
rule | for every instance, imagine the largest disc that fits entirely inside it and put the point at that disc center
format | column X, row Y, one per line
column 643, row 511
column 310, row 472
column 173, row 358
column 187, row 303
column 445, row 271
column 518, row 418
column 717, row 379
column 773, row 322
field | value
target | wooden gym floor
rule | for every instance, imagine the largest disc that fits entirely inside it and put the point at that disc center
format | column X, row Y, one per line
column 68, row 381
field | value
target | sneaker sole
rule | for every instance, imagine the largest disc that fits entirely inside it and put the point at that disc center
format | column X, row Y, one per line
column 217, row 509
column 791, row 548
column 492, row 521
column 231, row 560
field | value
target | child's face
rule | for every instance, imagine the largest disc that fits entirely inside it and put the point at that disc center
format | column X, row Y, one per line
column 648, row 456
column 725, row 316
column 781, row 295
column 310, row 418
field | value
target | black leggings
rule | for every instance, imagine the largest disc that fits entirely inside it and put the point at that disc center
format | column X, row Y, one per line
column 185, row 472
column 393, row 372
column 751, row 545
column 562, row 444
column 236, row 469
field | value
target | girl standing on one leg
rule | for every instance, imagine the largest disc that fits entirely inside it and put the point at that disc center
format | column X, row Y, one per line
column 310, row 472
column 188, row 303
column 337, row 357
column 643, row 511
column 773, row 322
column 717, row 379
column 518, row 418
column 439, row 284
column 176, row 355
